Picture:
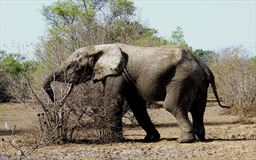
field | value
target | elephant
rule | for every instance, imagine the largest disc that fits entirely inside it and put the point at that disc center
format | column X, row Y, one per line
column 170, row 74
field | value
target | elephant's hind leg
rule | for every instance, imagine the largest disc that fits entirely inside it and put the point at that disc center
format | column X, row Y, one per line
column 177, row 101
column 197, row 112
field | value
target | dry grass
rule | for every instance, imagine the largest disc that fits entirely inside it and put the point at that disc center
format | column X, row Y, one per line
column 225, row 135
column 15, row 114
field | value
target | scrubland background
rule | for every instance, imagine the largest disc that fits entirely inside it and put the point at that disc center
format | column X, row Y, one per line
column 33, row 128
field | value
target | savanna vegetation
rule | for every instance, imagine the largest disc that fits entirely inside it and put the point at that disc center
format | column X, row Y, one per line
column 76, row 23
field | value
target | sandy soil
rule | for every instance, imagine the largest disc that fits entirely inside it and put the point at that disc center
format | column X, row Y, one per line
column 227, row 138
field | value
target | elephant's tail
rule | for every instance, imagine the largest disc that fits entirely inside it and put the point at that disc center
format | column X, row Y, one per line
column 214, row 88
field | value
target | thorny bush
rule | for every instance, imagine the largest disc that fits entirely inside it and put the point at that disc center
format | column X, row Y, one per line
column 235, row 74
column 79, row 116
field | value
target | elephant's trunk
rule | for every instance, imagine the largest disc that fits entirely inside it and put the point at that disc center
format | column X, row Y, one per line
column 57, row 76
column 47, row 87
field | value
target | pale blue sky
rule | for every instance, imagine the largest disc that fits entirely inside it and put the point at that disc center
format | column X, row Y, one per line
column 206, row 24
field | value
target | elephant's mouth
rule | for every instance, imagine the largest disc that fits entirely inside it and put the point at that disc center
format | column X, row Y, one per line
column 83, row 76
column 82, row 79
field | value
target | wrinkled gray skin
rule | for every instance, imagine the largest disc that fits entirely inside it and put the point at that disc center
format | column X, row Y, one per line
column 144, row 74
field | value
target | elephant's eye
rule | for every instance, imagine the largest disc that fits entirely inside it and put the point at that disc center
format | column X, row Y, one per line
column 69, row 66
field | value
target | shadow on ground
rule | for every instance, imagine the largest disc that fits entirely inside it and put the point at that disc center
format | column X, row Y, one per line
column 166, row 125
column 10, row 132
column 227, row 139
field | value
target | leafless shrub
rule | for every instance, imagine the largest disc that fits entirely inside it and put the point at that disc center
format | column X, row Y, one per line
column 236, row 78
column 88, row 116
column 80, row 115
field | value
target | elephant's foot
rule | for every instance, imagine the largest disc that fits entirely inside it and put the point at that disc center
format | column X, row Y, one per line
column 201, row 138
column 201, row 135
column 187, row 138
column 116, row 137
column 152, row 137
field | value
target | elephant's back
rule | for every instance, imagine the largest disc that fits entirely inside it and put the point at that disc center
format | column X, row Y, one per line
column 153, row 53
column 152, row 59
column 153, row 68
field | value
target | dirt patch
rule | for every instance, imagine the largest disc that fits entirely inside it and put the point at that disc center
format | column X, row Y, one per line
column 227, row 138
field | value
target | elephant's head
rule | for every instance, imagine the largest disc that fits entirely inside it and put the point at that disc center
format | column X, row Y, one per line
column 88, row 63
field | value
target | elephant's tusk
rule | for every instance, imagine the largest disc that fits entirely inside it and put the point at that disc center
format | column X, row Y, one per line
column 67, row 94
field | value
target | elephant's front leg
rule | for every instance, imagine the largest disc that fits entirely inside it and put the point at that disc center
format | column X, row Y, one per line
column 114, row 100
column 138, row 106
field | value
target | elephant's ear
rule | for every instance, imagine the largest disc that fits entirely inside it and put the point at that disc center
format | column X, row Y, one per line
column 110, row 61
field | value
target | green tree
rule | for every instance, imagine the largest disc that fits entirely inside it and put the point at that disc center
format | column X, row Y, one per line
column 61, row 13
column 177, row 37
column 120, row 9
column 14, row 63
column 11, row 63
column 78, row 23
column 68, row 12
column 205, row 55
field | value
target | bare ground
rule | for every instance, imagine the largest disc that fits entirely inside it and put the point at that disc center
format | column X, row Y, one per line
column 227, row 138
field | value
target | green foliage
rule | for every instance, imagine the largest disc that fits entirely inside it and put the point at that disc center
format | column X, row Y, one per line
column 68, row 12
column 121, row 8
column 64, row 9
column 149, row 38
column 205, row 55
column 11, row 63
column 61, row 13
column 14, row 63
column 201, row 52
column 177, row 37
column 253, row 60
